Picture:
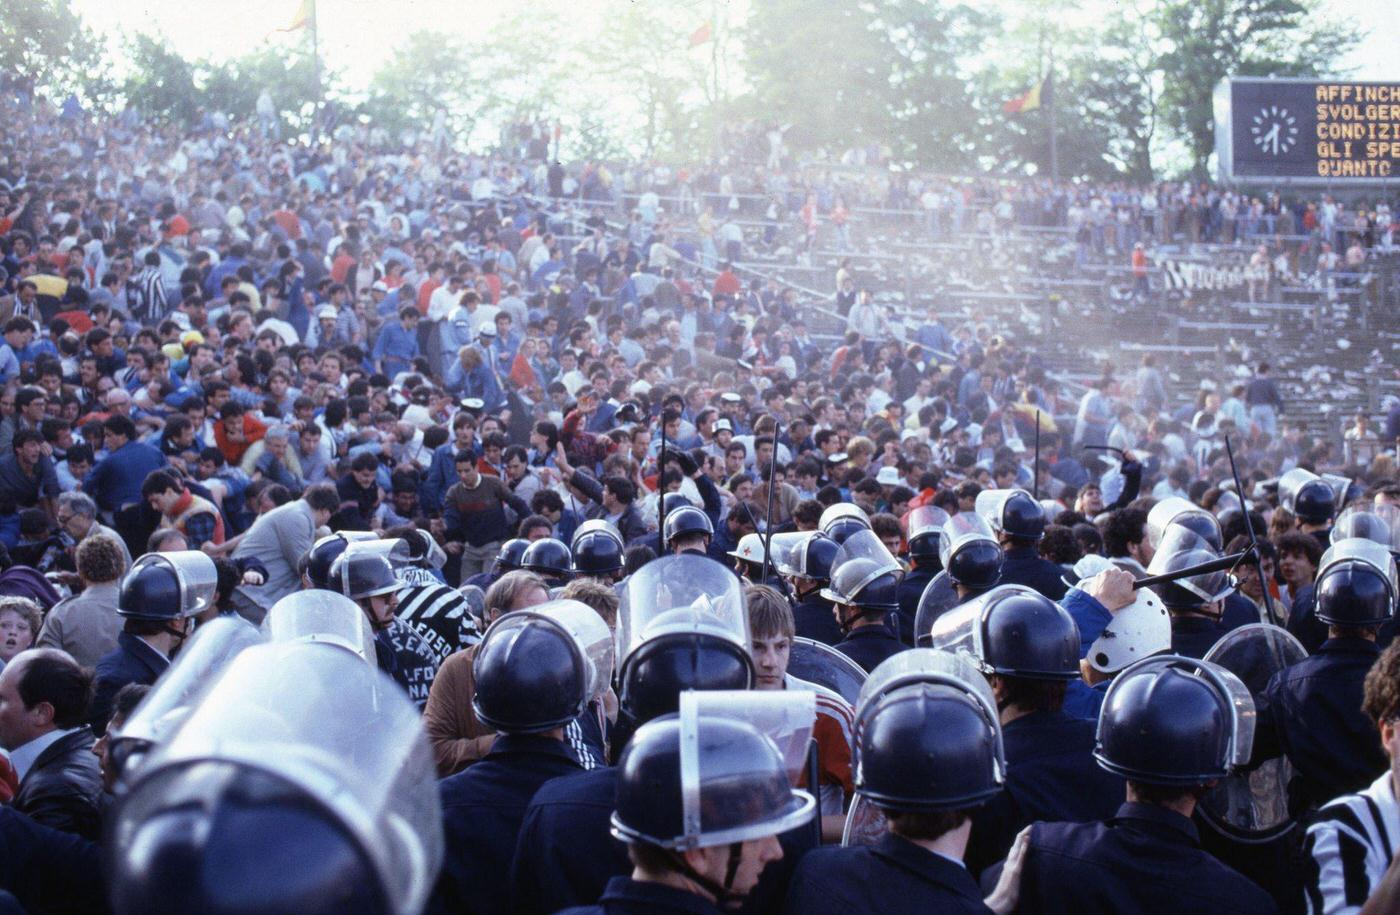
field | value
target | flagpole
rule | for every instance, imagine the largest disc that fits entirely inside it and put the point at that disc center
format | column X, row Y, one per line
column 1054, row 125
column 714, row 74
column 316, row 63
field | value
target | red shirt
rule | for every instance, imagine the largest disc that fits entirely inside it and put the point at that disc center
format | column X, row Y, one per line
column 233, row 451
column 425, row 292
column 727, row 284
column 341, row 267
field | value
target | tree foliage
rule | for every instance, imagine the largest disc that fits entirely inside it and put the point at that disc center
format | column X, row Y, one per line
column 45, row 42
column 1207, row 40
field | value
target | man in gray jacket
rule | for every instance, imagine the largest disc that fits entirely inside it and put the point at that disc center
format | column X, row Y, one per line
column 86, row 625
column 279, row 539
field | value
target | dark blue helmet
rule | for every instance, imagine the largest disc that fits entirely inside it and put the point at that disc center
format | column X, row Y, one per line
column 530, row 675
column 548, row 558
column 811, row 558
column 925, row 527
column 1356, row 584
column 654, row 676
column 735, row 790
column 976, row 565
column 1315, row 502
column 221, row 838
column 1169, row 720
column 842, row 528
column 168, row 586
column 1013, row 512
column 1025, row 634
column 687, row 520
column 927, row 747
column 326, row 551
column 510, row 555
column 597, row 552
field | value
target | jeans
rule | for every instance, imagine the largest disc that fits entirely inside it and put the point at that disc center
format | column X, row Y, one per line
column 1264, row 418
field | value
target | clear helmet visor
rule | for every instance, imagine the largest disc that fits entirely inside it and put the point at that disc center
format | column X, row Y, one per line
column 784, row 550
column 785, row 717
column 836, row 512
column 200, row 662
column 590, row 632
column 1380, row 523
column 343, row 733
column 960, row 530
column 1368, row 552
column 960, row 631
column 818, row 663
column 926, row 519
column 682, row 594
column 321, row 616
column 1290, row 484
column 196, row 574
column 1161, row 516
column 865, row 545
column 991, row 503
column 1182, row 548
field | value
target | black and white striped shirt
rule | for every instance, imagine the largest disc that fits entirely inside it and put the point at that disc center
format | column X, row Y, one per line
column 1349, row 847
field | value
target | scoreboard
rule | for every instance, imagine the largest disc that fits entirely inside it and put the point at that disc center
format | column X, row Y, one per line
column 1307, row 131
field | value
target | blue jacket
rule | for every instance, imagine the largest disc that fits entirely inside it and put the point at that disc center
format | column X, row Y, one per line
column 565, row 854
column 1311, row 711
column 869, row 645
column 132, row 661
column 625, row 896
column 1051, row 775
column 47, row 870
column 1023, row 566
column 892, row 877
column 911, row 589
column 116, row 480
column 1145, row 859
column 482, row 808
column 442, row 473
column 816, row 619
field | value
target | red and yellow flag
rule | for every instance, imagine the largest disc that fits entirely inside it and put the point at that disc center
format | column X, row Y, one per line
column 1023, row 103
column 701, row 35
column 306, row 14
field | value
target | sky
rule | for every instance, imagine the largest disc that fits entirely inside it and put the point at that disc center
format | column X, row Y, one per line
column 356, row 36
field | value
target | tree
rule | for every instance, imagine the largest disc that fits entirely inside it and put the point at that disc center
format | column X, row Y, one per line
column 44, row 42
column 234, row 86
column 162, row 83
column 1207, row 40
column 432, row 72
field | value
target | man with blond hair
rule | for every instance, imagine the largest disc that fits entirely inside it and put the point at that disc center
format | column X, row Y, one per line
column 86, row 624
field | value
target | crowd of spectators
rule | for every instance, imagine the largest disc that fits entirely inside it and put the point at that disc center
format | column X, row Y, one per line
column 204, row 323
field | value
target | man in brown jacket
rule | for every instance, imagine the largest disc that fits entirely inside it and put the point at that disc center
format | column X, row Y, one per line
column 458, row 738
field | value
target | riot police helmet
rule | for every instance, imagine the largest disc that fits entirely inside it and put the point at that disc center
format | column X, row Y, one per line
column 548, row 558
column 1356, row 584
column 1013, row 631
column 1013, row 512
column 684, row 521
column 168, row 586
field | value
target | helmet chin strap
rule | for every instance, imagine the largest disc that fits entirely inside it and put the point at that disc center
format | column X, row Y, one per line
column 725, row 897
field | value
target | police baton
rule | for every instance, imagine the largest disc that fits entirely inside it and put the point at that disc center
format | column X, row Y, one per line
column 661, row 488
column 1214, row 565
column 1253, row 541
column 768, row 514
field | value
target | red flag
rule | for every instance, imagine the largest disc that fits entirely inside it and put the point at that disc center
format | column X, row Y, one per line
column 1028, row 102
column 701, row 35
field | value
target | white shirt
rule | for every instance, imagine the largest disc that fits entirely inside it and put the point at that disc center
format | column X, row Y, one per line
column 27, row 754
column 442, row 302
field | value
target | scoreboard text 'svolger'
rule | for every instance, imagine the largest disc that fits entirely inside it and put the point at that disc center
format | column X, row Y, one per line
column 1307, row 131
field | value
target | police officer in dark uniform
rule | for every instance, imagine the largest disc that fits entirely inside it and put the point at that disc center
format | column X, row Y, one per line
column 682, row 624
column 928, row 751
column 925, row 524
column 46, row 869
column 972, row 563
column 688, row 530
column 157, row 600
column 302, row 782
column 864, row 580
column 1311, row 500
column 807, row 568
column 598, row 551
column 508, row 559
column 1172, row 727
column 1312, row 710
column 1019, row 523
column 1028, row 647
column 533, row 676
column 551, row 560
column 701, row 801
column 1194, row 602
